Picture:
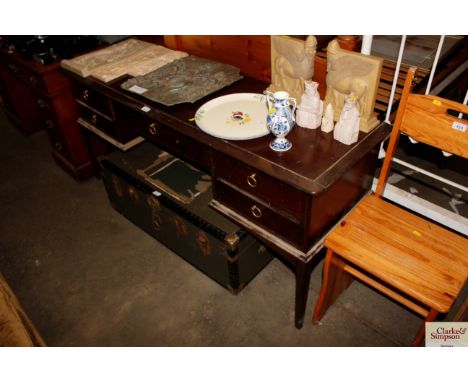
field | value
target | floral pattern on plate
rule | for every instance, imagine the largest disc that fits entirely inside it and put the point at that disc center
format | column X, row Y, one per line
column 237, row 116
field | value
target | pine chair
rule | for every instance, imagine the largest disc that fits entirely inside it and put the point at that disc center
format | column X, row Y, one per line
column 417, row 263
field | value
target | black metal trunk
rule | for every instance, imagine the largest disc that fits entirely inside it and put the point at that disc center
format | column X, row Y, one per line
column 169, row 200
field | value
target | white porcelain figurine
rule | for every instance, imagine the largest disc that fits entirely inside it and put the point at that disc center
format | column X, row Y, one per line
column 309, row 112
column 347, row 128
column 327, row 119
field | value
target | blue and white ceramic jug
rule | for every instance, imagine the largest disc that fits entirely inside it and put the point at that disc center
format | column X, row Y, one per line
column 280, row 119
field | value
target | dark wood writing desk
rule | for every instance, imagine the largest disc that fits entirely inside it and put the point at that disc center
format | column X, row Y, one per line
column 287, row 200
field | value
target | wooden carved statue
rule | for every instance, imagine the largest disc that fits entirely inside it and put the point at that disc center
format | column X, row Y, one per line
column 292, row 62
column 353, row 73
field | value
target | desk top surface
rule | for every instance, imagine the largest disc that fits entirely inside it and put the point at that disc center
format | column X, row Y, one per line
column 314, row 162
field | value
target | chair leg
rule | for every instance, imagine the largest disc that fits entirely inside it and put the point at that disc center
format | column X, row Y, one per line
column 334, row 281
column 422, row 330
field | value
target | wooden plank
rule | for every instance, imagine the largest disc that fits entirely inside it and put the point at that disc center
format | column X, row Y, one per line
column 387, row 86
column 391, row 71
column 380, row 107
column 389, row 78
column 373, row 283
column 112, row 141
column 427, row 121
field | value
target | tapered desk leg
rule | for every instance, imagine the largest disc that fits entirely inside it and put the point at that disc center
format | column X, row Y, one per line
column 303, row 272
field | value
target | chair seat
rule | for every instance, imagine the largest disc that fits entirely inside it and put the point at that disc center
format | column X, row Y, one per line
column 419, row 258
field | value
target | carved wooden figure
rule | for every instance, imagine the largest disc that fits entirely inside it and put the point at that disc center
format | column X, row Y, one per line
column 292, row 62
column 351, row 72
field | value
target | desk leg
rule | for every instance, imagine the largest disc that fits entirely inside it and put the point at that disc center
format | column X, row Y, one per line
column 303, row 272
column 302, row 266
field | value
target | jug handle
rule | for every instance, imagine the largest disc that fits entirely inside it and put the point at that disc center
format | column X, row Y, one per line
column 292, row 102
column 268, row 96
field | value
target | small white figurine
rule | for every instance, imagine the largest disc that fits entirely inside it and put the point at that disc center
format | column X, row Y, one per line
column 309, row 112
column 327, row 120
column 347, row 128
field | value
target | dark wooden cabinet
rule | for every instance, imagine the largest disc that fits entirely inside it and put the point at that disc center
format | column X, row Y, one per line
column 19, row 101
column 39, row 97
column 297, row 217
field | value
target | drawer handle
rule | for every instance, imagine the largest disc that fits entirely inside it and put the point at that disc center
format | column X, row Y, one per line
column 13, row 68
column 94, row 118
column 251, row 180
column 49, row 124
column 58, row 146
column 41, row 103
column 33, row 80
column 256, row 212
column 152, row 128
column 85, row 94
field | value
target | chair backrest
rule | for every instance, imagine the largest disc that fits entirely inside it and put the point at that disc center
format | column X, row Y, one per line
column 426, row 118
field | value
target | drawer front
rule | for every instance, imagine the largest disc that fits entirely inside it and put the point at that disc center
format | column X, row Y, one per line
column 47, row 115
column 32, row 79
column 276, row 193
column 259, row 213
column 44, row 106
column 15, row 69
column 93, row 100
column 164, row 136
column 57, row 140
column 28, row 76
column 100, row 122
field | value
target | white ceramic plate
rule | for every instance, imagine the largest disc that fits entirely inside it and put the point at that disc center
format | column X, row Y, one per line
column 236, row 116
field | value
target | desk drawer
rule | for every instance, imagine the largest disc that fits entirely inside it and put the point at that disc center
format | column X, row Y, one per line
column 261, row 185
column 164, row 136
column 26, row 75
column 105, row 125
column 34, row 80
column 262, row 215
column 44, row 105
column 98, row 120
column 94, row 100
column 57, row 140
column 47, row 115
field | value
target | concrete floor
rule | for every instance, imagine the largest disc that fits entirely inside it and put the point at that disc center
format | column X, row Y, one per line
column 88, row 277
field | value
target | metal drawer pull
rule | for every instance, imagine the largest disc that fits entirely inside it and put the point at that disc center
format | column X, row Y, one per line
column 152, row 128
column 33, row 80
column 41, row 103
column 13, row 68
column 94, row 118
column 85, row 94
column 251, row 180
column 49, row 124
column 256, row 212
